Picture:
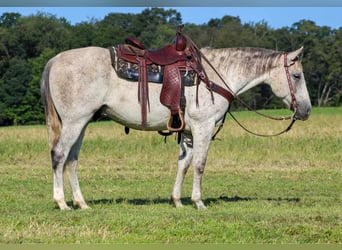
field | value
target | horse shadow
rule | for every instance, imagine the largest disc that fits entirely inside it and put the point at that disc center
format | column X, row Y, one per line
column 187, row 200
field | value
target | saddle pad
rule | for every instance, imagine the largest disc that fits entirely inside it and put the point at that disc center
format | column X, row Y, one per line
column 130, row 71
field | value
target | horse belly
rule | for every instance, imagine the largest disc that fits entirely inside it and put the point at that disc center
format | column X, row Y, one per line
column 123, row 107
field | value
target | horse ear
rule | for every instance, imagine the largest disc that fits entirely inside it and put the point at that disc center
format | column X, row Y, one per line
column 294, row 55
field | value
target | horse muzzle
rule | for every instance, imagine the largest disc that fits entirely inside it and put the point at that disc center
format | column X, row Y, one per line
column 302, row 111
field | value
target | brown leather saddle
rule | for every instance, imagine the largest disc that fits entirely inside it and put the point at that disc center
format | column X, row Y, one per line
column 180, row 56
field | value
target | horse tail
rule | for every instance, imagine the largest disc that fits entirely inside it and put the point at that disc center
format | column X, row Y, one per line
column 53, row 121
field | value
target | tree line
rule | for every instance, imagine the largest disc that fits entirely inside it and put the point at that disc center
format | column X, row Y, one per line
column 28, row 42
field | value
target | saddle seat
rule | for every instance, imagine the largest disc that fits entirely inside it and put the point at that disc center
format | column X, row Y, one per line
column 164, row 56
column 176, row 57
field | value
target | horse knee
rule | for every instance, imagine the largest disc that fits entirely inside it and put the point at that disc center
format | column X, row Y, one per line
column 200, row 170
column 199, row 166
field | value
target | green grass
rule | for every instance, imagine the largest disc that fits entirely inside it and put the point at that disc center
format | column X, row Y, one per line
column 285, row 189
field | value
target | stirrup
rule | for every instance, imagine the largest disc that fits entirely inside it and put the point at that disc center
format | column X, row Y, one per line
column 172, row 122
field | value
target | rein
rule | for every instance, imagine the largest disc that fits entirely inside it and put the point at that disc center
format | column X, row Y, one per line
column 293, row 104
column 230, row 96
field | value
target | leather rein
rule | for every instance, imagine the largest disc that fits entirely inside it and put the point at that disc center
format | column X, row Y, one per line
column 293, row 104
column 230, row 96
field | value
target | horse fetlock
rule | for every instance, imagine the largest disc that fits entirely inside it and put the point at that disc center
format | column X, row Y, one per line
column 177, row 202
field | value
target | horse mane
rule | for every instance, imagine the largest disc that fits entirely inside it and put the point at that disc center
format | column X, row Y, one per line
column 246, row 60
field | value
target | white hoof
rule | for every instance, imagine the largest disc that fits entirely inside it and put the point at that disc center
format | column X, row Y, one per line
column 200, row 205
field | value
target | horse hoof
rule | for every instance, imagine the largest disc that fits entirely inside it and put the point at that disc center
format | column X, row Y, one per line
column 178, row 204
column 200, row 205
column 85, row 207
column 66, row 208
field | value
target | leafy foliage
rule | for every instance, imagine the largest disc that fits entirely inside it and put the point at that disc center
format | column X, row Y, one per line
column 26, row 44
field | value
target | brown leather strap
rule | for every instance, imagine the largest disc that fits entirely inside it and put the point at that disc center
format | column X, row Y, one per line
column 293, row 104
column 221, row 91
column 143, row 91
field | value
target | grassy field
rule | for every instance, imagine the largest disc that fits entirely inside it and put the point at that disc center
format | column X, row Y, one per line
column 285, row 189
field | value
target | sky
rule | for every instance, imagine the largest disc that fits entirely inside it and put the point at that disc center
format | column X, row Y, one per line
column 275, row 17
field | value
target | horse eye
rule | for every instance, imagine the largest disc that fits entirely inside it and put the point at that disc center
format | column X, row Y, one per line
column 296, row 76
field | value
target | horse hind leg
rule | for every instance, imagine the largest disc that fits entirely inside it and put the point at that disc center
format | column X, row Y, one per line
column 59, row 156
column 58, row 160
column 184, row 160
column 71, row 170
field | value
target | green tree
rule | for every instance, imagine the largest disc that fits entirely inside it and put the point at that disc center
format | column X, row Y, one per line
column 144, row 25
column 9, row 20
column 31, row 109
column 333, row 94
column 317, row 42
column 13, row 89
column 229, row 34
column 42, row 31
column 8, row 39
column 202, row 35
column 83, row 35
column 113, row 29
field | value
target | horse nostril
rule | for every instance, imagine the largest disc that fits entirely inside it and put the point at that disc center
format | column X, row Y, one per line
column 307, row 113
column 308, row 110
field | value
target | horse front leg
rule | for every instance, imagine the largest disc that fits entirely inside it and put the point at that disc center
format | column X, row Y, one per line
column 202, row 138
column 184, row 159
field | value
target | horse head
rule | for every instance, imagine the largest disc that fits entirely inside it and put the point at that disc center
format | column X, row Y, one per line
column 288, row 83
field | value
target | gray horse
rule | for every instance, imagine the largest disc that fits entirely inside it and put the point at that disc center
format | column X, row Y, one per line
column 78, row 83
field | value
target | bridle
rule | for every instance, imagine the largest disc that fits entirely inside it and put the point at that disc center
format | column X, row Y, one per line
column 230, row 95
column 293, row 105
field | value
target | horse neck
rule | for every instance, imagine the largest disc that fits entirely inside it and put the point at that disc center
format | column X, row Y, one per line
column 242, row 68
